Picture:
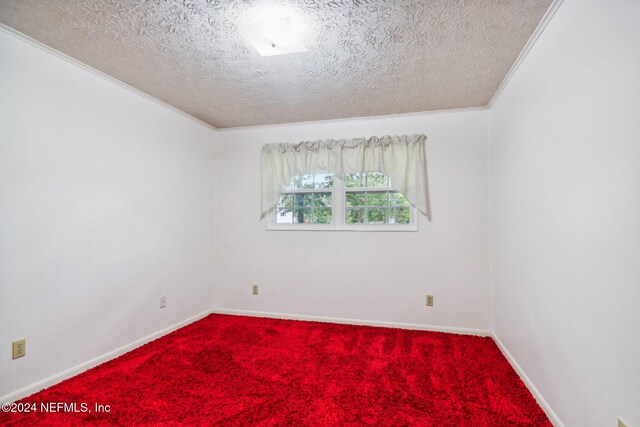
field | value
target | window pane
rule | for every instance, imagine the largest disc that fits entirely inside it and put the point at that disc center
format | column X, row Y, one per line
column 323, row 216
column 307, row 199
column 355, row 199
column 294, row 183
column 323, row 199
column 377, row 199
column 354, row 180
column 391, row 217
column 323, row 180
column 301, row 181
column 401, row 215
column 368, row 199
column 354, row 216
column 307, row 181
column 286, row 200
column 377, row 216
column 376, row 180
column 302, row 216
column 284, row 216
column 393, row 197
column 401, row 200
column 320, row 180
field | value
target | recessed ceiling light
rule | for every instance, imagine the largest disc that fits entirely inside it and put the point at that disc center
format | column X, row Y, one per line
column 276, row 37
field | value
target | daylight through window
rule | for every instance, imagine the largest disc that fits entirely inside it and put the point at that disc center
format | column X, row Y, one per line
column 369, row 199
column 307, row 200
column 357, row 202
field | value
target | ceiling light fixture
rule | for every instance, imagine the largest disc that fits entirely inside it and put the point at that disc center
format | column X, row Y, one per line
column 270, row 38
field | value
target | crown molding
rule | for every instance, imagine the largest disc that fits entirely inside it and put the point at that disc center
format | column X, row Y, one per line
column 23, row 37
column 350, row 119
column 553, row 8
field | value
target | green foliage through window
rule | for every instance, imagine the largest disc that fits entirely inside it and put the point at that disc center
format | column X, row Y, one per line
column 309, row 182
column 367, row 198
column 304, row 208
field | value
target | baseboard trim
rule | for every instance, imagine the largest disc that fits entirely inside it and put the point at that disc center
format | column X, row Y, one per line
column 66, row 374
column 553, row 417
column 54, row 379
column 341, row 320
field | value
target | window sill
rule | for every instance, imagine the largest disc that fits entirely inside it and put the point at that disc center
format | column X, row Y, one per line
column 332, row 227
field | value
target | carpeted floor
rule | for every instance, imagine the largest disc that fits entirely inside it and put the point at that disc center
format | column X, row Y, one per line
column 245, row 371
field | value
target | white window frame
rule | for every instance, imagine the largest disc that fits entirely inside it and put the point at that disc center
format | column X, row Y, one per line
column 338, row 196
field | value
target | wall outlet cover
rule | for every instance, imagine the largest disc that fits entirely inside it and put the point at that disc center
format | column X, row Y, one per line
column 19, row 348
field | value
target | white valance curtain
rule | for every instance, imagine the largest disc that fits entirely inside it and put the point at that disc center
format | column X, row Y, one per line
column 401, row 158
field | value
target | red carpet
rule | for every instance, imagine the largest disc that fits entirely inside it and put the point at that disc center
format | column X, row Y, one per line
column 245, row 371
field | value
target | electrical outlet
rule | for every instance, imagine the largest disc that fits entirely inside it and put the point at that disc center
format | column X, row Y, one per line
column 429, row 301
column 19, row 348
column 621, row 423
column 163, row 301
column 254, row 289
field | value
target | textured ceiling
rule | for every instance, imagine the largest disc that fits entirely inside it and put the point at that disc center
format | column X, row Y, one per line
column 365, row 57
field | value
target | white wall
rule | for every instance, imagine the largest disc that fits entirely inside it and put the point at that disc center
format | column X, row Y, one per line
column 106, row 203
column 373, row 276
column 565, row 213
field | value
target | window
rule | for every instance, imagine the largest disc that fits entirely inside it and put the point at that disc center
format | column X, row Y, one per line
column 361, row 201
column 359, row 164
column 369, row 199
column 307, row 200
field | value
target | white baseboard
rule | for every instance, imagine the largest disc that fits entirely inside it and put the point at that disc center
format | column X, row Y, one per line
column 553, row 417
column 54, row 379
column 416, row 326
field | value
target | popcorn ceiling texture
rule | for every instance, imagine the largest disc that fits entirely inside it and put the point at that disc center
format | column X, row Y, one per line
column 366, row 57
